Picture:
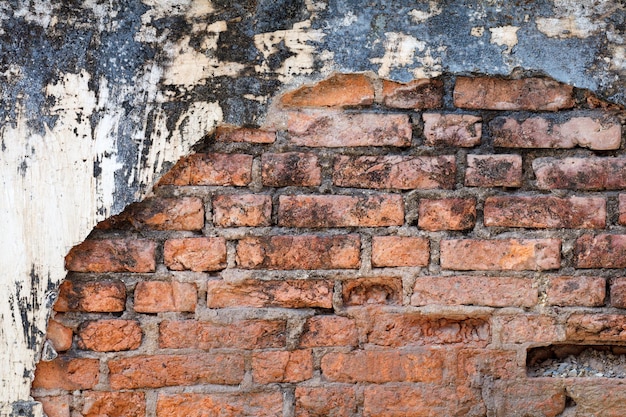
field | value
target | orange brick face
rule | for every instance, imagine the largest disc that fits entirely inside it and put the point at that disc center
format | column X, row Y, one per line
column 112, row 255
column 195, row 254
column 110, row 335
column 399, row 251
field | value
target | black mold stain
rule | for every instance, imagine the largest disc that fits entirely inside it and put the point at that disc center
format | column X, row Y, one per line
column 273, row 15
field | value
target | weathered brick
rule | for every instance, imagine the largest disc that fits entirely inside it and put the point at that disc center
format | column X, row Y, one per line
column 114, row 404
column 243, row 134
column 525, row 328
column 290, row 169
column 475, row 364
column 59, row 336
column 379, row 367
column 299, row 252
column 164, row 296
column 580, row 173
column 112, row 255
column 326, row 401
column 595, row 328
column 600, row 251
column 335, row 129
column 546, row 212
column 461, row 130
column 57, row 406
column 395, row 171
column 534, row 397
column 102, row 296
column 282, row 366
column 600, row 133
column 417, row 94
column 210, row 169
column 400, row 251
column 618, row 292
column 109, row 335
column 493, row 171
column 67, row 374
column 340, row 210
column 447, row 214
column 339, row 90
column 156, row 371
column 501, row 254
column 622, row 209
column 576, row 291
column 195, row 254
column 408, row 400
column 257, row 404
column 320, row 331
column 375, row 290
column 474, row 290
column 604, row 397
column 233, row 210
column 524, row 94
column 242, row 334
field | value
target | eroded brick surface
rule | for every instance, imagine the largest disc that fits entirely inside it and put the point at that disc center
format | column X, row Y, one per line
column 417, row 94
column 400, row 251
column 461, row 130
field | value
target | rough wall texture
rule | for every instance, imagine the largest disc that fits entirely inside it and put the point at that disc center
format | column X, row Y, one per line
column 446, row 247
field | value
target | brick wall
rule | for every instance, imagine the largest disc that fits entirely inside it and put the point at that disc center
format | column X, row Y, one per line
column 378, row 249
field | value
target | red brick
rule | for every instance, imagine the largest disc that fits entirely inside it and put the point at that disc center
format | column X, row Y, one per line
column 102, row 296
column 596, row 328
column 114, row 404
column 493, row 171
column 600, row 251
column 257, row 404
column 210, row 169
column 447, row 214
column 529, row 398
column 417, row 94
column 461, row 130
column 164, row 296
column 335, row 129
column 299, row 252
column 242, row 210
column 243, row 134
column 618, row 292
column 474, row 290
column 320, row 331
column 340, row 210
column 109, row 335
column 185, row 213
column 395, row 171
column 379, row 367
column 576, row 291
column 529, row 328
column 400, row 251
column 290, row 169
column 339, row 90
column 58, row 406
column 580, row 173
column 408, row 400
column 475, row 364
column 170, row 370
column 195, row 254
column 600, row 133
column 112, row 255
column 59, row 336
column 243, row 334
column 326, row 401
column 375, row 290
column 546, row 212
column 282, row 366
column 67, row 374
column 501, row 254
column 604, row 397
column 524, row 94
column 622, row 209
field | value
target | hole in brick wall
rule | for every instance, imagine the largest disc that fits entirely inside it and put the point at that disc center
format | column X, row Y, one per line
column 570, row 361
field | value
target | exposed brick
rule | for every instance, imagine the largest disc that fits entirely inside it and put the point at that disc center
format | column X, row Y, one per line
column 447, row 214
column 524, row 94
column 282, row 366
column 320, row 331
column 593, row 328
column 290, row 169
column 335, row 129
column 234, row 210
column 58, row 406
column 408, row 400
column 461, row 130
column 501, row 254
column 326, row 401
column 299, row 252
column 67, row 374
column 379, row 367
column 102, row 296
column 59, row 336
column 600, row 133
column 493, row 171
column 340, row 210
column 395, row 171
column 604, row 397
column 210, row 169
column 114, row 404
column 546, row 212
column 622, row 209
column 400, row 251
column 576, row 291
column 474, row 290
column 109, row 335
column 242, row 334
column 618, row 292
column 257, row 404
column 164, row 296
column 534, row 397
column 112, row 255
column 375, row 290
column 417, row 94
column 600, row 251
column 195, row 254
column 475, row 364
column 243, row 134
column 525, row 328
column 339, row 90
column 580, row 173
